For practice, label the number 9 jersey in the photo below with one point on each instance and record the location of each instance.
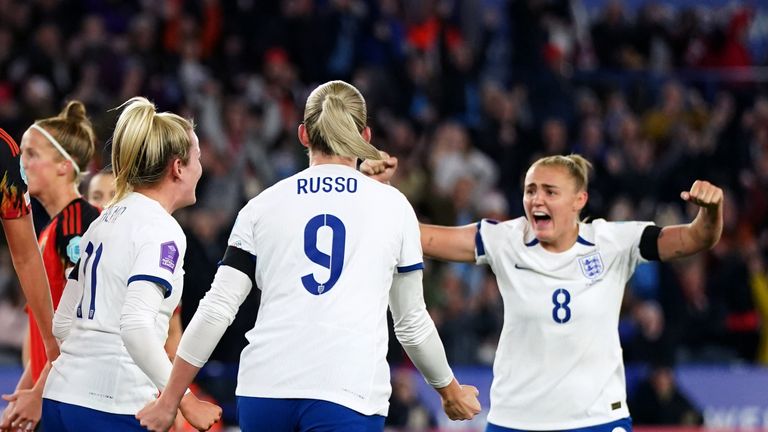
(327, 243)
(133, 240)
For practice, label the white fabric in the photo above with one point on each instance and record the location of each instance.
(65, 313)
(57, 146)
(328, 341)
(134, 239)
(143, 301)
(416, 331)
(551, 375)
(214, 314)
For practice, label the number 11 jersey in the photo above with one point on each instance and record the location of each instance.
(327, 243)
(133, 240)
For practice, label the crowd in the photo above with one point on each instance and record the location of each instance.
(466, 94)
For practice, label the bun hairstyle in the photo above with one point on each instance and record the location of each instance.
(335, 115)
(73, 131)
(143, 144)
(578, 167)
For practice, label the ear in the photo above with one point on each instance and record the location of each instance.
(64, 167)
(581, 200)
(177, 166)
(367, 134)
(303, 135)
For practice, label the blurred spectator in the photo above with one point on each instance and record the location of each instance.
(406, 411)
(658, 401)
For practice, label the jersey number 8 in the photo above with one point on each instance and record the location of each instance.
(561, 298)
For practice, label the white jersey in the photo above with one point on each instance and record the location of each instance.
(135, 239)
(559, 362)
(327, 243)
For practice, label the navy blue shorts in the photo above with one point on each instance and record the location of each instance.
(302, 415)
(621, 425)
(64, 417)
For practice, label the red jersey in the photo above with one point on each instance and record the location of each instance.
(14, 202)
(60, 246)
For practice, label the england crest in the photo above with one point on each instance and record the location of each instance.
(592, 265)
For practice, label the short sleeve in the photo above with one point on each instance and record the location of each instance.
(411, 257)
(159, 257)
(13, 185)
(74, 221)
(628, 236)
(241, 236)
(484, 241)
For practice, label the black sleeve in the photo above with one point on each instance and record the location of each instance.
(649, 243)
(240, 260)
(74, 274)
(13, 203)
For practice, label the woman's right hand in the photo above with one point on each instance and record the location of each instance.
(380, 170)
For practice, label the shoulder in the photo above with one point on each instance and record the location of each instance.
(9, 149)
(618, 233)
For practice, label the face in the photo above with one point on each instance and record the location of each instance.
(101, 189)
(44, 167)
(191, 172)
(552, 205)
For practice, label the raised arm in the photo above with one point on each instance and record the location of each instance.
(678, 241)
(449, 243)
(28, 263)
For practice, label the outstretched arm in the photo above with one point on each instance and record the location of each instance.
(449, 243)
(28, 263)
(678, 241)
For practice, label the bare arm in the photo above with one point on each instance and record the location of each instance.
(174, 335)
(449, 243)
(28, 263)
(678, 241)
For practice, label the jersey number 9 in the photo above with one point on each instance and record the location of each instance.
(333, 262)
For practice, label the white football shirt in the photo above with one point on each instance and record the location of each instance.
(327, 243)
(559, 362)
(135, 239)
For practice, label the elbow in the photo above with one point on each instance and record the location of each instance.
(60, 330)
(414, 330)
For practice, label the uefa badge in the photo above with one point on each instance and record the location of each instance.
(73, 249)
(592, 265)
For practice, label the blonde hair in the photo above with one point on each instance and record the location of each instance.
(144, 142)
(578, 167)
(335, 116)
(73, 131)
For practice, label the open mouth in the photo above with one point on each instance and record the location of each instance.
(541, 219)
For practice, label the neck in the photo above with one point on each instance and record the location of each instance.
(317, 158)
(54, 201)
(162, 194)
(564, 242)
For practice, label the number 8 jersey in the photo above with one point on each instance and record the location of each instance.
(327, 243)
(133, 240)
(559, 362)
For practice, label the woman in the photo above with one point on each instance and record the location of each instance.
(325, 257)
(19, 232)
(113, 316)
(101, 188)
(54, 153)
(559, 365)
